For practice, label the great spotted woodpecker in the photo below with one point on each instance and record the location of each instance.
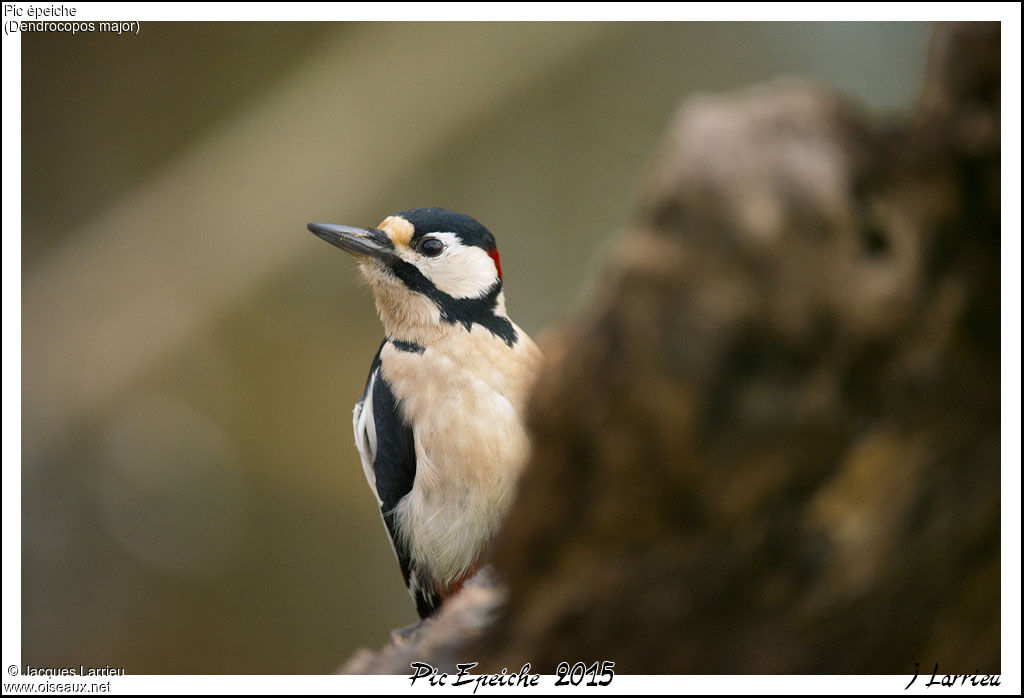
(439, 428)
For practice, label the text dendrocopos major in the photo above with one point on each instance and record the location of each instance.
(439, 428)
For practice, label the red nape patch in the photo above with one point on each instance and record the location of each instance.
(492, 252)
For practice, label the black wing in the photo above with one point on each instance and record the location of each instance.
(394, 470)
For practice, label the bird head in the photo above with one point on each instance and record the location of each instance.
(428, 267)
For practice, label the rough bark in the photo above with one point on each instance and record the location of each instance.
(773, 444)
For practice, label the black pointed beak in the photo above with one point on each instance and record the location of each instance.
(364, 242)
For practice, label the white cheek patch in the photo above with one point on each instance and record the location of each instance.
(461, 271)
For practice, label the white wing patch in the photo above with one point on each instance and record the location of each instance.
(365, 429)
(366, 434)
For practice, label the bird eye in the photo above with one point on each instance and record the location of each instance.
(431, 247)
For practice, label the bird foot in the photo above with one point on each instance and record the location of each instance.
(404, 635)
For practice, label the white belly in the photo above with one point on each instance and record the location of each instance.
(470, 447)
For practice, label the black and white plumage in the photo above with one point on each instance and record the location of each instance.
(439, 428)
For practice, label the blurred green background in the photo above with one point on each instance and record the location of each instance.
(192, 501)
